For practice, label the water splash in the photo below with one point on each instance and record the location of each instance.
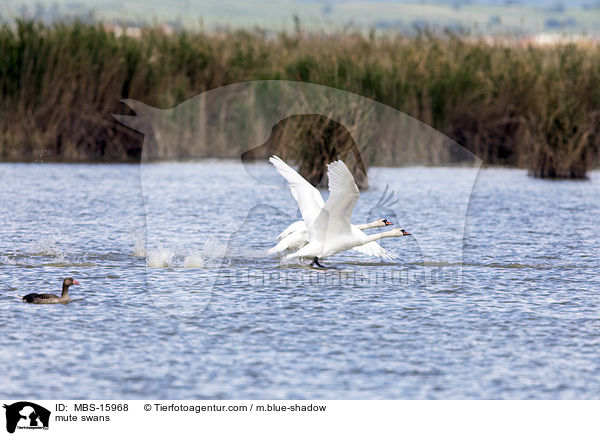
(47, 247)
(5, 260)
(193, 260)
(180, 256)
(139, 249)
(294, 261)
(60, 259)
(161, 257)
(213, 248)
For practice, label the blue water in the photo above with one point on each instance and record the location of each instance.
(496, 294)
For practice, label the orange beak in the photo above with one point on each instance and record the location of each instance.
(389, 224)
(404, 233)
(75, 282)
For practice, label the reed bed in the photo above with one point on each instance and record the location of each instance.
(535, 107)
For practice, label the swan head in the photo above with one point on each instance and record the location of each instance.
(399, 232)
(382, 223)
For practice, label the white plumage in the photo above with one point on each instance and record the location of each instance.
(326, 228)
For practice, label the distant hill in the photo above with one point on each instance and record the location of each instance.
(481, 16)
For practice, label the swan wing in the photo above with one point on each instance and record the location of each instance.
(293, 241)
(309, 199)
(336, 215)
(374, 249)
(370, 248)
(292, 228)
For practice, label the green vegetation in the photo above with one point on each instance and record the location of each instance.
(535, 107)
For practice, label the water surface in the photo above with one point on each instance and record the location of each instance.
(509, 311)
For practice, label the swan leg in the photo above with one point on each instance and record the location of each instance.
(315, 262)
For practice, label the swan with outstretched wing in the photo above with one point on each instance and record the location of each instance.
(310, 203)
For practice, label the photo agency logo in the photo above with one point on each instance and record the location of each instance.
(301, 208)
(24, 415)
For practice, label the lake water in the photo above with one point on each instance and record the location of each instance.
(496, 294)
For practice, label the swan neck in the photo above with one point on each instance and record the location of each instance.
(65, 291)
(369, 225)
(377, 236)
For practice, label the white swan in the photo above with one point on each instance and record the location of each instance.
(295, 236)
(310, 203)
(331, 232)
(311, 207)
(300, 226)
